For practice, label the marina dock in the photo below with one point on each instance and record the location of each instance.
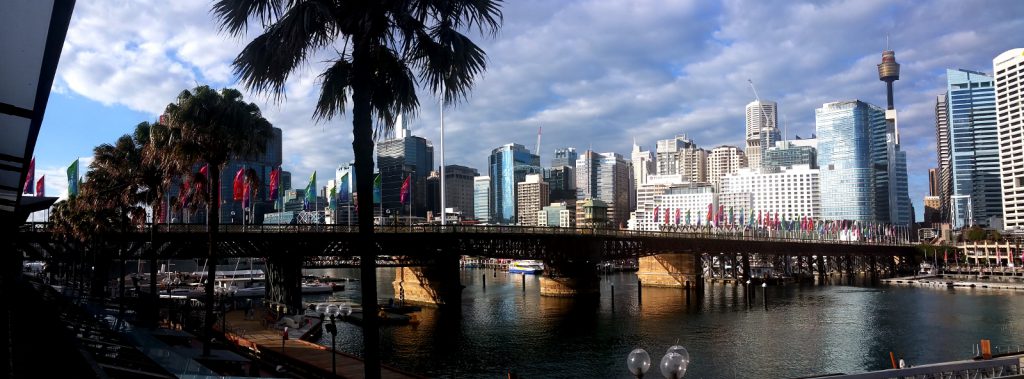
(298, 355)
(942, 282)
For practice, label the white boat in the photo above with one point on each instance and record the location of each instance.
(526, 267)
(316, 287)
(926, 269)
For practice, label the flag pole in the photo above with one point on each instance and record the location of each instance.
(410, 202)
(443, 218)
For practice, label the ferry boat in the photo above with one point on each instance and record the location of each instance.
(526, 267)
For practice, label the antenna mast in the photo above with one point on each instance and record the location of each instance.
(539, 129)
(760, 106)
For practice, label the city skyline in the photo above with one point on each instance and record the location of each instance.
(596, 90)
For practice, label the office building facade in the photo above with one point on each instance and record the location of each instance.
(973, 147)
(508, 165)
(605, 177)
(680, 155)
(845, 160)
(482, 199)
(405, 156)
(792, 193)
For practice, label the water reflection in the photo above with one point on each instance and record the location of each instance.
(805, 329)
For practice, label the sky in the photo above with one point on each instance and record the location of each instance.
(593, 74)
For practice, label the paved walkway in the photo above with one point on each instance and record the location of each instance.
(305, 356)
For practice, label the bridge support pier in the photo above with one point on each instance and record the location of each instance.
(284, 280)
(746, 266)
(437, 284)
(676, 270)
(822, 270)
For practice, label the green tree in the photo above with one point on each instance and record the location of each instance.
(375, 47)
(210, 127)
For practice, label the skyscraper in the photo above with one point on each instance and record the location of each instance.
(531, 197)
(402, 157)
(643, 165)
(680, 155)
(1009, 74)
(973, 148)
(760, 116)
(786, 154)
(945, 187)
(458, 189)
(934, 186)
(565, 156)
(482, 199)
(508, 165)
(845, 159)
(605, 177)
(722, 161)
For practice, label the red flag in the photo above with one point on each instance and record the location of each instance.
(667, 211)
(30, 178)
(245, 196)
(709, 212)
(275, 175)
(679, 213)
(239, 183)
(41, 187)
(183, 193)
(945, 256)
(759, 220)
(405, 189)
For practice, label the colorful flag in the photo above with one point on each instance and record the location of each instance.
(405, 193)
(239, 184)
(654, 217)
(73, 179)
(205, 169)
(741, 217)
(667, 212)
(333, 199)
(310, 197)
(710, 207)
(679, 213)
(687, 216)
(41, 186)
(183, 191)
(344, 188)
(945, 256)
(30, 179)
(376, 190)
(275, 176)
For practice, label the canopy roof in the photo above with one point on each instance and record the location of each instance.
(31, 37)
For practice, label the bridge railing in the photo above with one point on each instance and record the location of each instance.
(760, 235)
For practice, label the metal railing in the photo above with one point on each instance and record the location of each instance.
(1001, 367)
(759, 235)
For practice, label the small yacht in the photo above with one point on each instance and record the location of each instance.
(926, 269)
(526, 267)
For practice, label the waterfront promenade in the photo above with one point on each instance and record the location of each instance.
(307, 358)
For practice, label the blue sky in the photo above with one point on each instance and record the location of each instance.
(591, 73)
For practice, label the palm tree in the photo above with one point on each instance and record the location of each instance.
(212, 127)
(376, 45)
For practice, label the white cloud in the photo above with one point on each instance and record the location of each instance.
(592, 73)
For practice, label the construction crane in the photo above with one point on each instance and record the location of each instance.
(539, 129)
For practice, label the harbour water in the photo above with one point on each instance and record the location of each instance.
(804, 330)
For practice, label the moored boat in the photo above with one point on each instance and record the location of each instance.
(526, 267)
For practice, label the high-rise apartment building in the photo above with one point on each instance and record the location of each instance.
(605, 177)
(845, 159)
(643, 165)
(482, 199)
(680, 155)
(531, 196)
(508, 165)
(562, 182)
(405, 156)
(934, 186)
(762, 129)
(973, 148)
(1009, 76)
(557, 215)
(942, 148)
(722, 161)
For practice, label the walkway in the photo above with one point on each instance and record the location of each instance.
(301, 355)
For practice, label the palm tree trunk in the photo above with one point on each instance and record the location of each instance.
(213, 222)
(362, 147)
